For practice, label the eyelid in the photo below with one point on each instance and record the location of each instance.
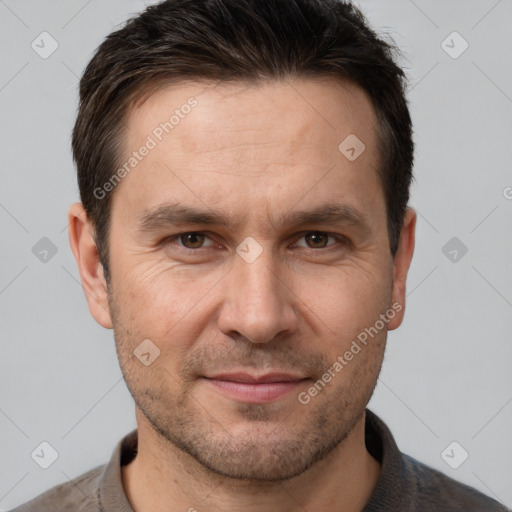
(177, 236)
(338, 238)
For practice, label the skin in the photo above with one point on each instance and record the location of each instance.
(254, 153)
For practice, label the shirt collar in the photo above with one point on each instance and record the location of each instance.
(392, 489)
(112, 495)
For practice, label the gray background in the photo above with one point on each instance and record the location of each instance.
(446, 373)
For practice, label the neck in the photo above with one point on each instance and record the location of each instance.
(163, 478)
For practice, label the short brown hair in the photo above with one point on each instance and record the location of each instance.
(237, 40)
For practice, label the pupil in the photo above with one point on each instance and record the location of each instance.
(190, 239)
(317, 237)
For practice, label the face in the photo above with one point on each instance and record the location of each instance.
(252, 256)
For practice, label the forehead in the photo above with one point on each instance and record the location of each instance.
(251, 145)
(284, 110)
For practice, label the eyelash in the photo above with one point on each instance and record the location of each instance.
(339, 238)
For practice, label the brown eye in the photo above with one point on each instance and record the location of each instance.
(317, 239)
(192, 240)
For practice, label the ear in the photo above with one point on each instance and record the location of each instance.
(89, 265)
(401, 263)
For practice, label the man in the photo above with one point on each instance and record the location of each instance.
(244, 171)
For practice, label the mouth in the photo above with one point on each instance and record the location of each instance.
(256, 389)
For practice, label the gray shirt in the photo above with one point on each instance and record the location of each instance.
(404, 483)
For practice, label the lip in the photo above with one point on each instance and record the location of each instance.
(258, 389)
(255, 379)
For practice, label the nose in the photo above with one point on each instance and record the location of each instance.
(258, 303)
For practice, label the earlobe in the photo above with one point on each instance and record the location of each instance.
(401, 263)
(89, 265)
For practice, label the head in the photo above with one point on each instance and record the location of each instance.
(244, 172)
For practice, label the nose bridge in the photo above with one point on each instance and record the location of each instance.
(258, 279)
(257, 305)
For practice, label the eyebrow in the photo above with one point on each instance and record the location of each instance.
(175, 214)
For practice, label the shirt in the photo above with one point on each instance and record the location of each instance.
(404, 484)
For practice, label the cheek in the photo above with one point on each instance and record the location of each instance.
(347, 296)
(164, 303)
